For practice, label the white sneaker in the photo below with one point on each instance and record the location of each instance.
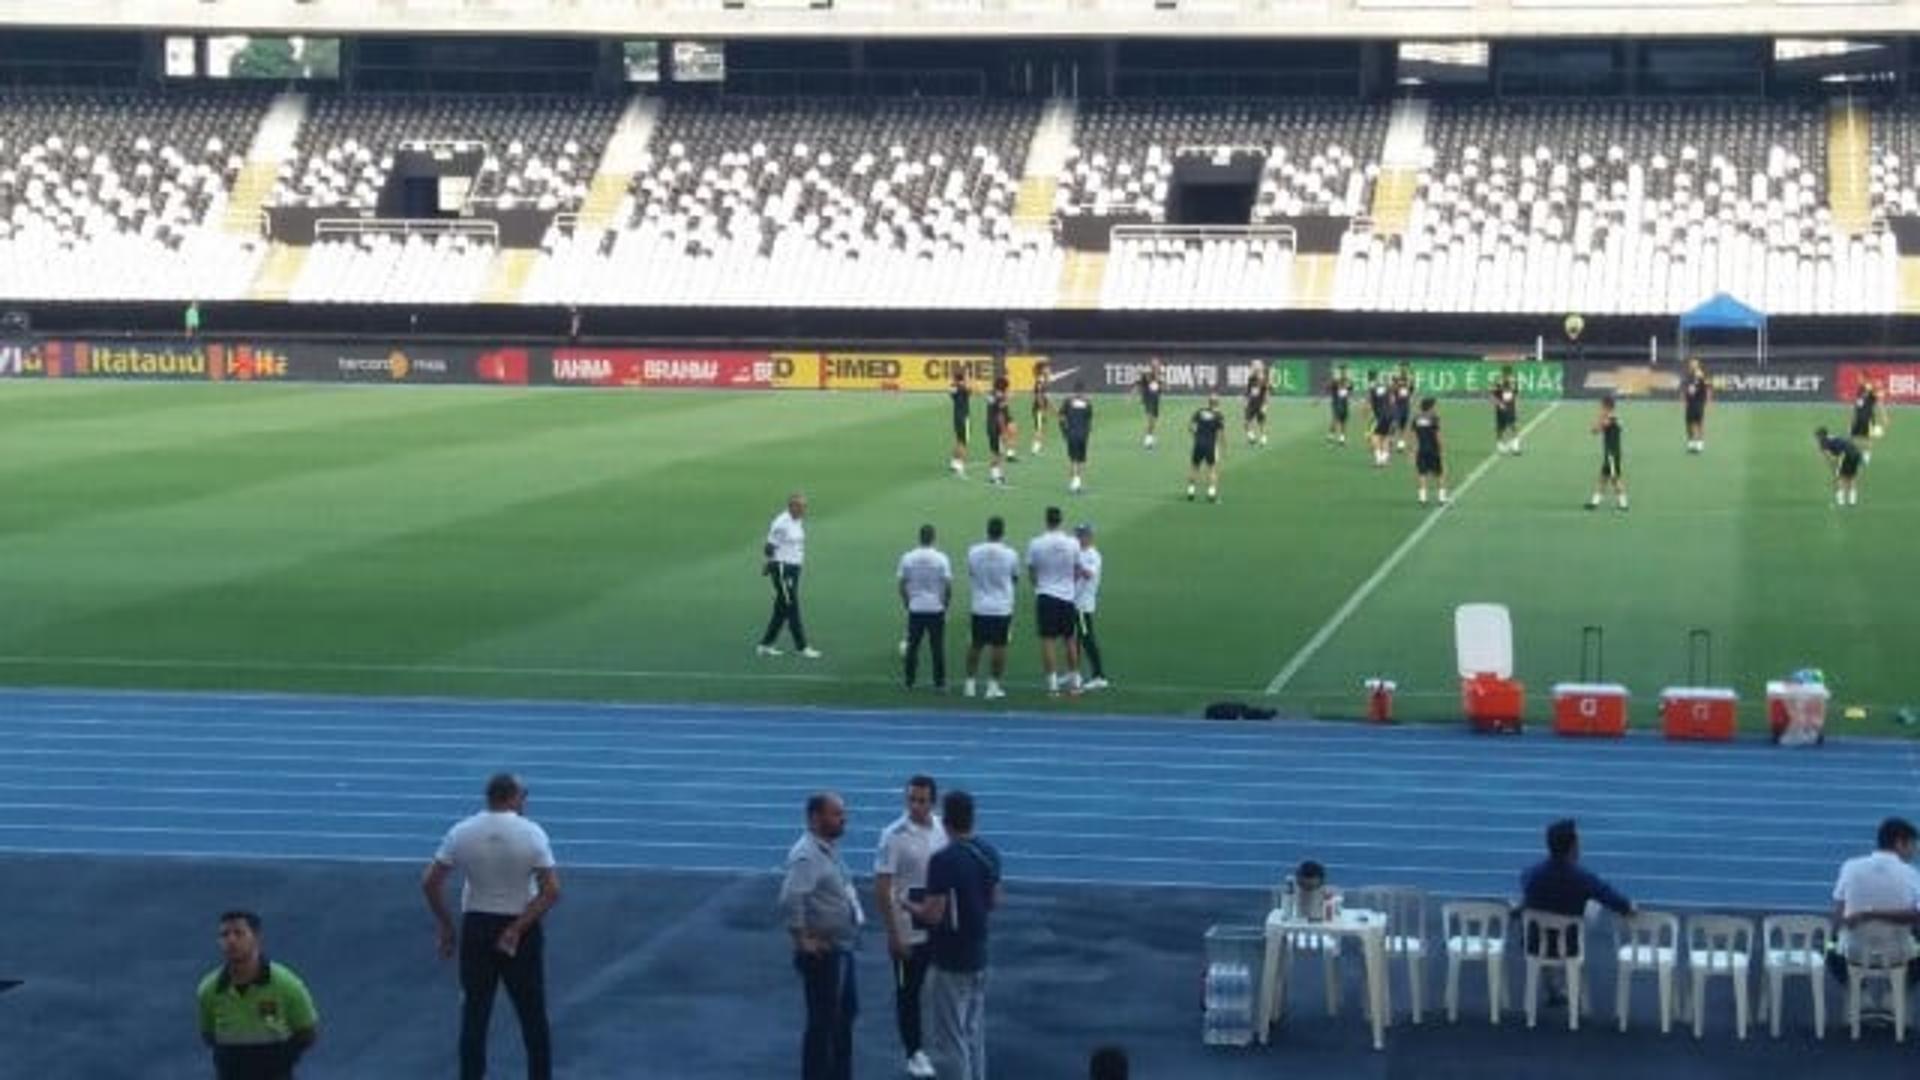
(1036, 449)
(919, 1066)
(766, 650)
(1095, 683)
(968, 689)
(994, 691)
(810, 653)
(1074, 485)
(903, 646)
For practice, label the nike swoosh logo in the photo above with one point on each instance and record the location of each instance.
(1056, 376)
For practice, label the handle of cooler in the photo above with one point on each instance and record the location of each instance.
(1593, 643)
(1699, 655)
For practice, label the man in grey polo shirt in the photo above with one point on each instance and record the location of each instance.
(823, 917)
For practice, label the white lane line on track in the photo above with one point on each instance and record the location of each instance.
(1332, 626)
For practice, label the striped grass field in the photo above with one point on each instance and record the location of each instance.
(564, 544)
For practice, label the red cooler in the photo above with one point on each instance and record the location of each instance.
(1493, 700)
(1590, 709)
(1698, 712)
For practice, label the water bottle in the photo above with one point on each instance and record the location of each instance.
(1290, 899)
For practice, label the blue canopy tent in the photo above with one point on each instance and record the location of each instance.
(1723, 312)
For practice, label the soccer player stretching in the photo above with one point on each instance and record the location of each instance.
(1076, 423)
(1042, 409)
(1380, 402)
(1846, 458)
(1698, 390)
(1867, 420)
(1426, 451)
(1506, 414)
(998, 420)
(962, 398)
(1149, 387)
(1258, 390)
(1339, 398)
(1206, 425)
(1612, 475)
(1402, 405)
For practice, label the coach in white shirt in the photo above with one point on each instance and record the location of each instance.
(1086, 598)
(1053, 559)
(899, 869)
(925, 578)
(992, 568)
(510, 883)
(785, 550)
(1881, 889)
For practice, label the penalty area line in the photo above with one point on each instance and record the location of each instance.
(1332, 626)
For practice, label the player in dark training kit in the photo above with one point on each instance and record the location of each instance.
(1612, 472)
(1867, 420)
(1259, 389)
(1042, 407)
(1340, 400)
(1506, 414)
(1380, 404)
(962, 397)
(1698, 391)
(1426, 451)
(1846, 459)
(1076, 423)
(1208, 426)
(1148, 386)
(998, 419)
(1402, 405)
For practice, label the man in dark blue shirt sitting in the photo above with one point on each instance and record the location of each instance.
(963, 887)
(1559, 885)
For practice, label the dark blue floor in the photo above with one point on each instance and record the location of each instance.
(1099, 800)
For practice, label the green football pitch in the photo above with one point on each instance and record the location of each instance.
(484, 541)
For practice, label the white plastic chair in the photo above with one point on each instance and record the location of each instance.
(1476, 932)
(1649, 941)
(1878, 951)
(1719, 945)
(1554, 941)
(1406, 910)
(1790, 946)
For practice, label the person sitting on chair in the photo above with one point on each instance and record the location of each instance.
(1559, 885)
(1881, 889)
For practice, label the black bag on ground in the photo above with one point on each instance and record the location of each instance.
(1238, 710)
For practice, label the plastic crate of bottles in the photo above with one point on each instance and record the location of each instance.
(1235, 955)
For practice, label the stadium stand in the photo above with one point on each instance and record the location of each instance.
(119, 195)
(541, 151)
(820, 202)
(1319, 153)
(1621, 206)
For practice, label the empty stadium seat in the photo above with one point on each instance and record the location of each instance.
(818, 202)
(121, 194)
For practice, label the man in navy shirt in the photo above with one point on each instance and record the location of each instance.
(1559, 885)
(963, 888)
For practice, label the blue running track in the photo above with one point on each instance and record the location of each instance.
(1098, 799)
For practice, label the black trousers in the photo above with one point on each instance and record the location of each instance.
(482, 969)
(786, 605)
(909, 976)
(933, 627)
(1090, 645)
(826, 1051)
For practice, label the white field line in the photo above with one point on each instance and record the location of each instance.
(1326, 632)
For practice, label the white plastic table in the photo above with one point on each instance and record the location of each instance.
(1367, 927)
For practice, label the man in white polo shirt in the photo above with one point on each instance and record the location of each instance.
(992, 568)
(925, 577)
(900, 870)
(1086, 598)
(510, 884)
(785, 550)
(1053, 559)
(1878, 896)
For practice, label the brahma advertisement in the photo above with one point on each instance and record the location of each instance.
(663, 368)
(1899, 383)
